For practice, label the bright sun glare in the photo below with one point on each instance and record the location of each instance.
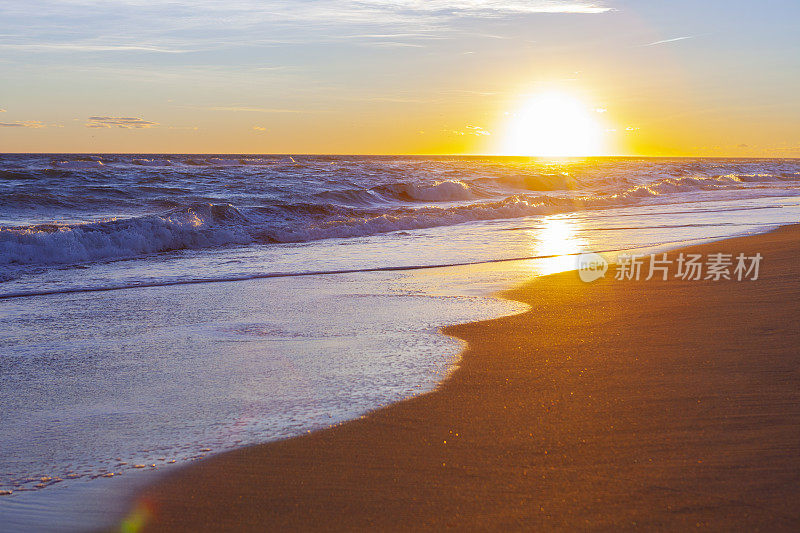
(554, 125)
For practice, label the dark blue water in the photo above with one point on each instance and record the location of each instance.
(68, 209)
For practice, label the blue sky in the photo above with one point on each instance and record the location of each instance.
(388, 76)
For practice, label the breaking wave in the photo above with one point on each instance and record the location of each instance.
(282, 200)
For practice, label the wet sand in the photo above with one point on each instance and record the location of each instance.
(616, 404)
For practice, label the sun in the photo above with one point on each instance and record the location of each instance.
(554, 124)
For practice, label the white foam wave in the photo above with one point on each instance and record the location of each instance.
(152, 162)
(212, 225)
(196, 227)
(78, 165)
(428, 217)
(442, 191)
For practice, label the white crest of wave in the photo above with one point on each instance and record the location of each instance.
(115, 239)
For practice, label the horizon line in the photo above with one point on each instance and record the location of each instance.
(405, 154)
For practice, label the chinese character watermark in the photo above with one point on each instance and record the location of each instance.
(687, 267)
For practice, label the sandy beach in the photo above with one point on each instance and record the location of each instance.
(615, 404)
(306, 266)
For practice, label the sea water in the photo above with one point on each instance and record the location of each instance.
(155, 309)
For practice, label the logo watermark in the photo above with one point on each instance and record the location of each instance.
(592, 267)
(687, 267)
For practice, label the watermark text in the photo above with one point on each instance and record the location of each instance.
(683, 266)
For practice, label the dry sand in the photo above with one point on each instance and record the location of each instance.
(616, 404)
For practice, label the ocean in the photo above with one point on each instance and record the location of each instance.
(156, 309)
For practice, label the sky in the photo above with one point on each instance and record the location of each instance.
(655, 78)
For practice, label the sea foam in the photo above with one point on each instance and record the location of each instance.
(169, 203)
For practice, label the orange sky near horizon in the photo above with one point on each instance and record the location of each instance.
(402, 77)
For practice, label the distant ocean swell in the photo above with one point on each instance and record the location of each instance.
(327, 214)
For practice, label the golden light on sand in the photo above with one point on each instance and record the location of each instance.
(554, 124)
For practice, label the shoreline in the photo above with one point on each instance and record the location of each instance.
(522, 435)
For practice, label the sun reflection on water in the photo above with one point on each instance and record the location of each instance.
(558, 236)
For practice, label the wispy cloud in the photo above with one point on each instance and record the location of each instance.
(391, 36)
(396, 99)
(245, 109)
(469, 129)
(259, 129)
(119, 122)
(181, 26)
(493, 7)
(395, 44)
(673, 40)
(276, 68)
(78, 47)
(23, 124)
(2, 110)
(477, 130)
